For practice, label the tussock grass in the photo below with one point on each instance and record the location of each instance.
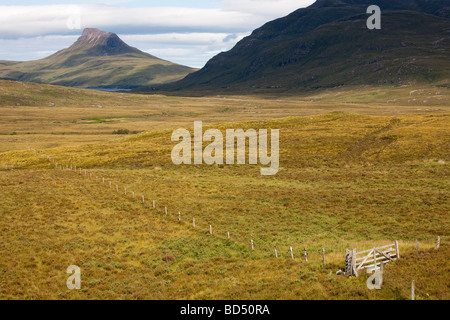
(348, 180)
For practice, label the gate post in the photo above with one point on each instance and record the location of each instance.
(354, 263)
(396, 249)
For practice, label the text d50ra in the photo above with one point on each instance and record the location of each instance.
(246, 309)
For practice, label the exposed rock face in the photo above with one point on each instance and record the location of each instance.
(93, 36)
(104, 44)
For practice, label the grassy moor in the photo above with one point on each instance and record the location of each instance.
(308, 159)
(352, 175)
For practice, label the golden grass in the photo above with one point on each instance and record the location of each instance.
(50, 116)
(348, 180)
(64, 219)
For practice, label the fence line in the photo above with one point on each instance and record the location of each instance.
(351, 266)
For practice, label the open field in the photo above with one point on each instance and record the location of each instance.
(49, 116)
(356, 171)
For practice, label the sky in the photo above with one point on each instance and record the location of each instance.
(184, 32)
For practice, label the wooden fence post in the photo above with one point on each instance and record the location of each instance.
(396, 249)
(292, 253)
(374, 259)
(125, 190)
(132, 194)
(117, 188)
(179, 216)
(143, 199)
(165, 210)
(438, 242)
(276, 253)
(210, 229)
(323, 255)
(193, 222)
(413, 291)
(154, 204)
(110, 184)
(228, 233)
(253, 248)
(353, 257)
(306, 255)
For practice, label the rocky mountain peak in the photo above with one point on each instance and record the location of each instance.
(94, 36)
(100, 43)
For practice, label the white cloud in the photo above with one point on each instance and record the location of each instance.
(192, 49)
(182, 38)
(266, 8)
(18, 21)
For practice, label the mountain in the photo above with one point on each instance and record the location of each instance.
(97, 59)
(328, 44)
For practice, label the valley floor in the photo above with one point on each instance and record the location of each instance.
(350, 177)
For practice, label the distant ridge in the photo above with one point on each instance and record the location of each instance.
(97, 60)
(328, 45)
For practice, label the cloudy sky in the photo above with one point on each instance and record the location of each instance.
(185, 32)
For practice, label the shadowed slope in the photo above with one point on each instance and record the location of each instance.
(329, 45)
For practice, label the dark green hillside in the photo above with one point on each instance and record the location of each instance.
(329, 45)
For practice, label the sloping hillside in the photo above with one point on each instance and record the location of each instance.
(329, 45)
(97, 59)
